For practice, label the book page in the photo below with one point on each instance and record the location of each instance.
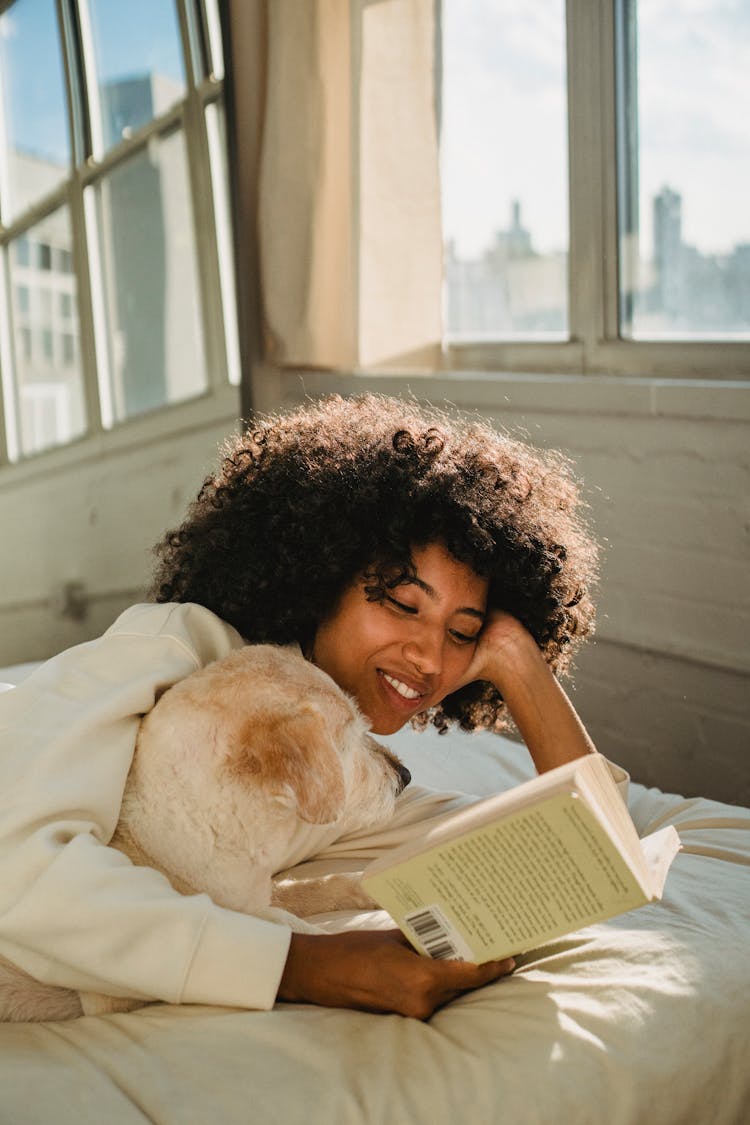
(589, 775)
(659, 849)
(604, 797)
(507, 887)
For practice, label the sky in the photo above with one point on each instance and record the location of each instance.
(505, 133)
(130, 36)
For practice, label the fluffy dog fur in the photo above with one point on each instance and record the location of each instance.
(227, 764)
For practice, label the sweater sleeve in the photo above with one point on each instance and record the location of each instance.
(73, 911)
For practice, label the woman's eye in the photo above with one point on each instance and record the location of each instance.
(463, 638)
(400, 605)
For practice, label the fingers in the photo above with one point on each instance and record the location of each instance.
(462, 972)
(378, 971)
(433, 984)
(454, 978)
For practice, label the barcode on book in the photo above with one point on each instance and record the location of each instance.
(436, 936)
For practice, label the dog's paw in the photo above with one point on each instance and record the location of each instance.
(321, 894)
(24, 999)
(96, 1004)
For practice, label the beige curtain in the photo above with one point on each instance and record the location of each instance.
(349, 190)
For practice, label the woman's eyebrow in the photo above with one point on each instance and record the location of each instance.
(429, 590)
(467, 609)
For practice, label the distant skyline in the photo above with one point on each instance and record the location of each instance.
(504, 127)
(511, 287)
(517, 210)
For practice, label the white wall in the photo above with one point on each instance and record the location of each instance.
(89, 513)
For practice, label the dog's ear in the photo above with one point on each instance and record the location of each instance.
(296, 752)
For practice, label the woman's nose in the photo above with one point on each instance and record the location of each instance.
(424, 653)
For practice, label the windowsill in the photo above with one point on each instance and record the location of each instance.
(166, 423)
(719, 400)
(619, 395)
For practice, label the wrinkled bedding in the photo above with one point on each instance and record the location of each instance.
(643, 1019)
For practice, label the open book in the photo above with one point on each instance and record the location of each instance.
(511, 872)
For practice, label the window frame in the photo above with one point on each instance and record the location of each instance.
(197, 29)
(595, 345)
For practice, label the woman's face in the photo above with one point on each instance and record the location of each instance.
(405, 654)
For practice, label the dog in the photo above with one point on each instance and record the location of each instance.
(232, 766)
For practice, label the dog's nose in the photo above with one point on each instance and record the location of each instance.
(403, 774)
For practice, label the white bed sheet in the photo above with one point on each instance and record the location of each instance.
(643, 1019)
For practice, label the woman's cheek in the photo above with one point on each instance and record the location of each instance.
(460, 664)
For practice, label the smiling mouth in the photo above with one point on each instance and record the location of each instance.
(406, 692)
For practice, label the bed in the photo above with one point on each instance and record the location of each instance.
(643, 1019)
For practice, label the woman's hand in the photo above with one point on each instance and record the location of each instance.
(510, 659)
(503, 644)
(377, 971)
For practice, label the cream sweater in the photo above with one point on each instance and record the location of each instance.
(76, 913)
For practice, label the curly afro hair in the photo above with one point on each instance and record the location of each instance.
(341, 490)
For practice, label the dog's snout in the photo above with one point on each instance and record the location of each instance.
(392, 762)
(404, 775)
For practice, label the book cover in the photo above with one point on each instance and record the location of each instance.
(524, 877)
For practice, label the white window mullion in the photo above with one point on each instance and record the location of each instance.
(206, 210)
(9, 434)
(587, 76)
(89, 79)
(100, 385)
(224, 244)
(76, 41)
(621, 168)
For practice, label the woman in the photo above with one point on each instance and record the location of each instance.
(438, 571)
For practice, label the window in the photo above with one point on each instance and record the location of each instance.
(116, 254)
(35, 371)
(150, 280)
(595, 164)
(45, 256)
(683, 220)
(505, 169)
(23, 301)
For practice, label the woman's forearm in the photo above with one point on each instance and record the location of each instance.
(545, 717)
(542, 712)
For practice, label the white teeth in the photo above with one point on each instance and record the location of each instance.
(402, 689)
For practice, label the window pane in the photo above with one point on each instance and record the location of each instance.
(684, 170)
(35, 154)
(140, 71)
(47, 360)
(504, 168)
(145, 234)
